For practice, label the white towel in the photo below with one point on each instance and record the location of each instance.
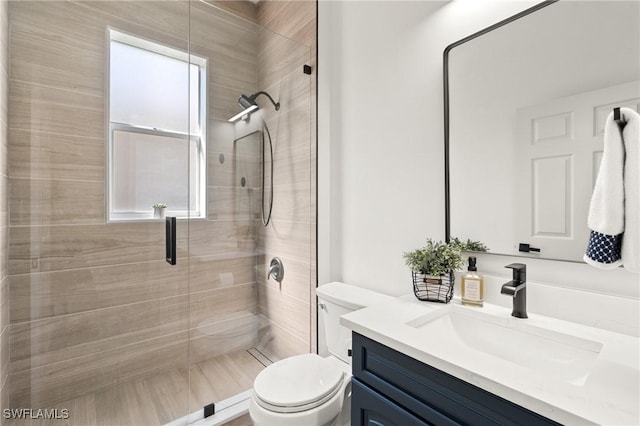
(614, 213)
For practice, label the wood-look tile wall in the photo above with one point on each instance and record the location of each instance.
(4, 197)
(287, 42)
(93, 303)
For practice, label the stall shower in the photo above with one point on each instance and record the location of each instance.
(109, 108)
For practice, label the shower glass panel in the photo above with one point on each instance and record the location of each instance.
(100, 103)
(115, 106)
(241, 322)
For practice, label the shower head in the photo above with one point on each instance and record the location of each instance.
(246, 102)
(249, 104)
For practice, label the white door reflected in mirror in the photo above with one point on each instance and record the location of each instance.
(527, 110)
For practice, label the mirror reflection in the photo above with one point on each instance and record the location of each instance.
(527, 105)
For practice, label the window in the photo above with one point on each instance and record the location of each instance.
(156, 129)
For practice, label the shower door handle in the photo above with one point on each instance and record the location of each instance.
(170, 224)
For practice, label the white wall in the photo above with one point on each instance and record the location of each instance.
(381, 184)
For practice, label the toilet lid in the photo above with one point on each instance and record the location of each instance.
(297, 383)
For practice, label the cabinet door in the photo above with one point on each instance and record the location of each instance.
(369, 408)
(429, 394)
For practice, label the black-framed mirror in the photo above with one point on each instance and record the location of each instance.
(525, 104)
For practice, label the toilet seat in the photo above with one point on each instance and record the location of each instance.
(298, 383)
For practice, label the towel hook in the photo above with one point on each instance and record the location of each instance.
(617, 116)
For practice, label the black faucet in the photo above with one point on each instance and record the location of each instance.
(517, 288)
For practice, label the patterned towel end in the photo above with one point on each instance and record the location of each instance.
(604, 250)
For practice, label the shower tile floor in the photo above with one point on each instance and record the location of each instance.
(161, 399)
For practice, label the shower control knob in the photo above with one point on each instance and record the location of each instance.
(276, 270)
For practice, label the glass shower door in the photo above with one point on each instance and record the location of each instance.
(100, 99)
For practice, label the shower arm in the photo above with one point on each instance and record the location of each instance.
(275, 104)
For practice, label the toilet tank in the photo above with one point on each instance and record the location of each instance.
(336, 299)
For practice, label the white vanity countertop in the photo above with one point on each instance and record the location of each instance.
(609, 395)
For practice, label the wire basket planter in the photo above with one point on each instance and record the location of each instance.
(433, 288)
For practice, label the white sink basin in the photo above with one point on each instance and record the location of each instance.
(513, 341)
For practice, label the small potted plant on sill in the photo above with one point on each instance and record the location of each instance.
(432, 267)
(158, 210)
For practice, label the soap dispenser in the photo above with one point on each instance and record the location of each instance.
(472, 285)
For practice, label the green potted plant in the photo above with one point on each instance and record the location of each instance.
(432, 267)
(158, 210)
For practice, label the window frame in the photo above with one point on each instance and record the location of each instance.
(199, 138)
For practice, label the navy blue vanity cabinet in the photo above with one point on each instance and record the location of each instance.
(390, 388)
(373, 409)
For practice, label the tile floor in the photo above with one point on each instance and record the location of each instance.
(162, 398)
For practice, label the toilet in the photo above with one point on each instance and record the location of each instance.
(310, 389)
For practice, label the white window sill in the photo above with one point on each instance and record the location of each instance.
(149, 218)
